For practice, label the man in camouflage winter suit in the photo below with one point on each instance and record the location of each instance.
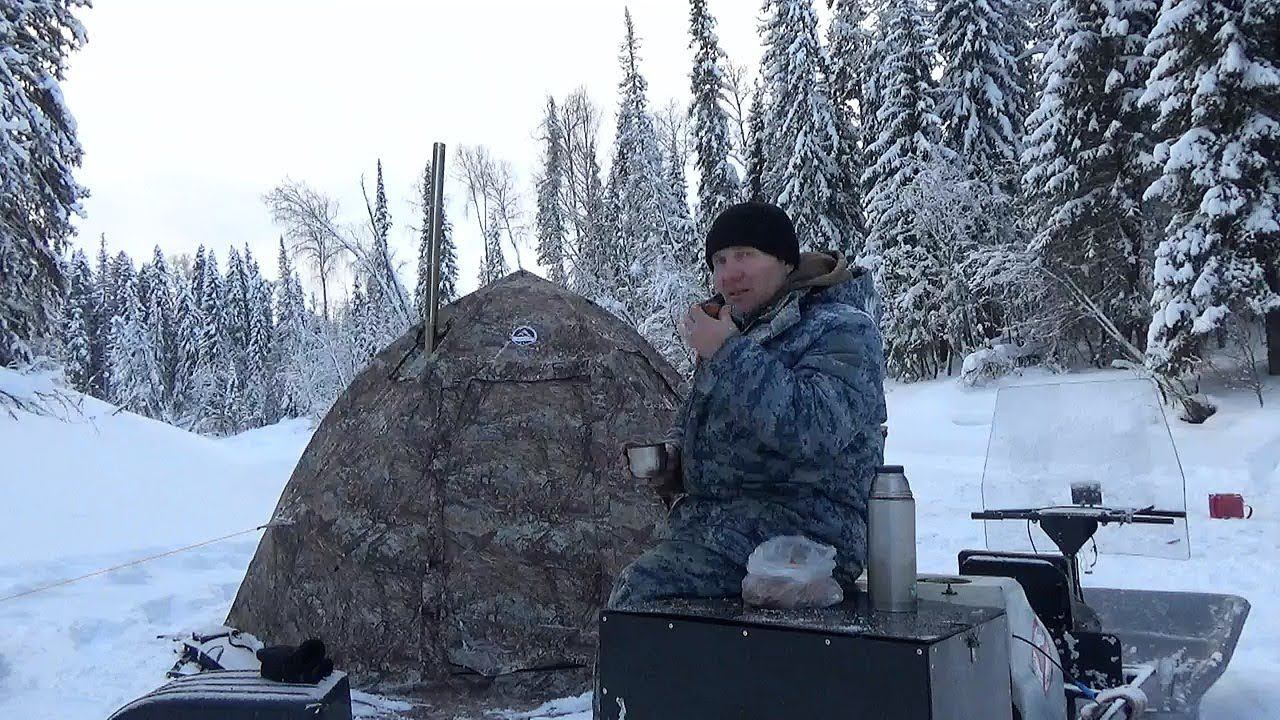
(780, 432)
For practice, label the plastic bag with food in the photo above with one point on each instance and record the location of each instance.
(791, 572)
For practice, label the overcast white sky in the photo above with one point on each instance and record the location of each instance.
(189, 111)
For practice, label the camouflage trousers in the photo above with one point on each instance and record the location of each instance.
(676, 569)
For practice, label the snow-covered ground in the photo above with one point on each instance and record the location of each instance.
(90, 488)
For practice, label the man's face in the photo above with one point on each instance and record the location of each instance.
(747, 277)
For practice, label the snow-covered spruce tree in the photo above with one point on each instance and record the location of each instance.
(1087, 162)
(286, 332)
(646, 216)
(307, 379)
(195, 274)
(188, 327)
(99, 324)
(188, 322)
(135, 371)
(650, 238)
(380, 227)
(717, 180)
(872, 97)
(592, 275)
(306, 373)
(77, 328)
(223, 413)
(674, 281)
(802, 139)
(619, 245)
(448, 255)
(753, 188)
(848, 46)
(981, 84)
(688, 254)
(156, 330)
(214, 363)
(1036, 21)
(261, 401)
(673, 286)
(583, 193)
(390, 309)
(448, 259)
(1030, 28)
(493, 266)
(951, 228)
(982, 99)
(422, 288)
(235, 322)
(38, 153)
(907, 143)
(235, 306)
(1216, 88)
(156, 294)
(360, 329)
(551, 226)
(122, 275)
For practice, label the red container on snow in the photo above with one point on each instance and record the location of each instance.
(1228, 505)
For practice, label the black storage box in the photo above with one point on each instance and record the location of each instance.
(713, 659)
(242, 695)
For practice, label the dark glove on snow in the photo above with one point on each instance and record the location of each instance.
(305, 663)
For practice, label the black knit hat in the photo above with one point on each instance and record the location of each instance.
(760, 225)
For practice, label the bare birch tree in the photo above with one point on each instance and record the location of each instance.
(492, 197)
(737, 104)
(308, 220)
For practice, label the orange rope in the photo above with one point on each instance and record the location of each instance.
(60, 583)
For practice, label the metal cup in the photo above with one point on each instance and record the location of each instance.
(647, 461)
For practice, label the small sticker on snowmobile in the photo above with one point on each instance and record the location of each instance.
(1040, 660)
(524, 335)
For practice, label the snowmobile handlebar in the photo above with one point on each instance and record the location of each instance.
(1102, 515)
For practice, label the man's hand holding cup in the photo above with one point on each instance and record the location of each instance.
(659, 464)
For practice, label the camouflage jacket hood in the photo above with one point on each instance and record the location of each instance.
(780, 431)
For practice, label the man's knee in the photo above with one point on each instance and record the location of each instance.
(652, 576)
(628, 589)
(676, 569)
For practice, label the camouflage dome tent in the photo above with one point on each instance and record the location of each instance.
(466, 511)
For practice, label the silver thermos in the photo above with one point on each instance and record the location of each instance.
(891, 542)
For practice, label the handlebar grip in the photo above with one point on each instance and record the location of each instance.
(1149, 520)
(1006, 514)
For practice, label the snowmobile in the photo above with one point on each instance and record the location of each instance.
(1013, 635)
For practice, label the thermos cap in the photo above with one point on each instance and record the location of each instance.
(890, 483)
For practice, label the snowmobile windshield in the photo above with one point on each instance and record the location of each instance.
(1091, 444)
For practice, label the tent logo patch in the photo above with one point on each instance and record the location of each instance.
(524, 336)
